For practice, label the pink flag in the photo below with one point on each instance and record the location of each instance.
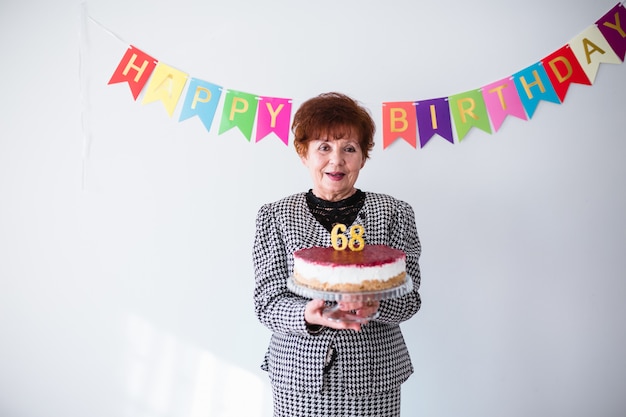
(274, 115)
(501, 99)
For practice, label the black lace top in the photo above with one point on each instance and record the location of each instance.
(328, 213)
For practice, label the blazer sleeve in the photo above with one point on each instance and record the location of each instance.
(275, 306)
(403, 235)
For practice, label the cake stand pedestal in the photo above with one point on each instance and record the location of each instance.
(333, 311)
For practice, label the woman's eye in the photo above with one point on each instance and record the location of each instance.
(350, 149)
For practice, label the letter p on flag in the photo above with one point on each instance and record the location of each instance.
(135, 68)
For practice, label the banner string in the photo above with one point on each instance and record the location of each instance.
(107, 30)
(84, 92)
(126, 43)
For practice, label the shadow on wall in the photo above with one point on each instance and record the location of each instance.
(167, 377)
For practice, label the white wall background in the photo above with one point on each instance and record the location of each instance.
(128, 291)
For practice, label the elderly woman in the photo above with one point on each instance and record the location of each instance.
(318, 366)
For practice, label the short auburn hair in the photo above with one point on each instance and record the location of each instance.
(335, 116)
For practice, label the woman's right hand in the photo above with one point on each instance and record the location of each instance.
(314, 314)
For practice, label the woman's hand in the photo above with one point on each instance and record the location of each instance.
(360, 308)
(314, 314)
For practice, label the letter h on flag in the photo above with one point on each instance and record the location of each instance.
(135, 69)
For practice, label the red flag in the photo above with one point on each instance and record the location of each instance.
(399, 121)
(564, 69)
(135, 69)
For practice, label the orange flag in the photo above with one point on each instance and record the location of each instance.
(399, 121)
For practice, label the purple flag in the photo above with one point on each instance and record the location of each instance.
(433, 117)
(613, 27)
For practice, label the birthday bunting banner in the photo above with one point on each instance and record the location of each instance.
(485, 108)
(519, 95)
(161, 82)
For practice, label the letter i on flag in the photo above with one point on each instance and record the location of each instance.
(135, 69)
(433, 117)
(274, 116)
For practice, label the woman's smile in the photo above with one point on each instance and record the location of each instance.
(336, 176)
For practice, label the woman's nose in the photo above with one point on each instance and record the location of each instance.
(336, 156)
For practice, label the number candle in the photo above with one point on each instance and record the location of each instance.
(340, 241)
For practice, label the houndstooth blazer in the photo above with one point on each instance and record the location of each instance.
(373, 360)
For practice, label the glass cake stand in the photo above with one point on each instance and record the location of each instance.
(333, 312)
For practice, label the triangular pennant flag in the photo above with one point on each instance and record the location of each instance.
(468, 110)
(533, 85)
(201, 100)
(399, 121)
(274, 115)
(563, 69)
(239, 111)
(613, 26)
(135, 69)
(502, 100)
(166, 85)
(592, 49)
(433, 117)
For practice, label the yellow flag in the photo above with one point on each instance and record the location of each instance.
(166, 84)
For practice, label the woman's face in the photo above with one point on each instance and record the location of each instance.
(334, 166)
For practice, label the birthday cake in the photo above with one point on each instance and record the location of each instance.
(374, 268)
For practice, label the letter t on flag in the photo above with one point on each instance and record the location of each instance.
(399, 121)
(135, 69)
(501, 99)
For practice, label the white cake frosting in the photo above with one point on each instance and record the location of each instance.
(349, 274)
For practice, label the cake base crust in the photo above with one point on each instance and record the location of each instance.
(364, 286)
